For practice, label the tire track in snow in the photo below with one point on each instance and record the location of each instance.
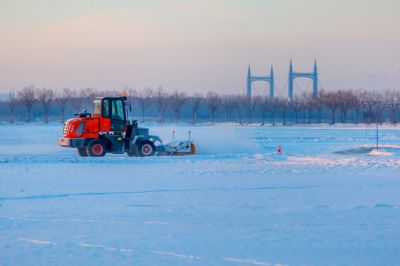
(253, 262)
(36, 241)
(111, 159)
(89, 194)
(173, 254)
(87, 245)
(155, 252)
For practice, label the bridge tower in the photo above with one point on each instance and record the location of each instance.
(270, 79)
(311, 75)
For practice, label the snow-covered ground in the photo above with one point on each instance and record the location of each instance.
(328, 199)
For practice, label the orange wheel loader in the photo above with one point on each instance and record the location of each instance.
(108, 130)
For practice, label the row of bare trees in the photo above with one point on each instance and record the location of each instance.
(330, 106)
(30, 96)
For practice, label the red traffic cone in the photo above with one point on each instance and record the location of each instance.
(279, 150)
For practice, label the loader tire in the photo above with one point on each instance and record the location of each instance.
(96, 148)
(146, 148)
(82, 152)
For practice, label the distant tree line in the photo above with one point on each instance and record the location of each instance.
(344, 106)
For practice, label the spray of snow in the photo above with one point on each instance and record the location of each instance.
(212, 140)
(225, 141)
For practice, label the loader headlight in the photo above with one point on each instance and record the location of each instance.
(65, 128)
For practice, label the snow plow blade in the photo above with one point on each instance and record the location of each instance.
(176, 148)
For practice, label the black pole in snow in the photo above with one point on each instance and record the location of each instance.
(377, 136)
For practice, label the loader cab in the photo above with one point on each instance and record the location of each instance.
(112, 113)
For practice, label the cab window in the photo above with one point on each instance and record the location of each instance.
(117, 110)
(97, 107)
(106, 108)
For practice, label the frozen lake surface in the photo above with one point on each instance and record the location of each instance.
(328, 199)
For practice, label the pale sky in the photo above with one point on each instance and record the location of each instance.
(197, 46)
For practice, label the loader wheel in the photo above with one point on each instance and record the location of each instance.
(96, 148)
(146, 148)
(82, 152)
